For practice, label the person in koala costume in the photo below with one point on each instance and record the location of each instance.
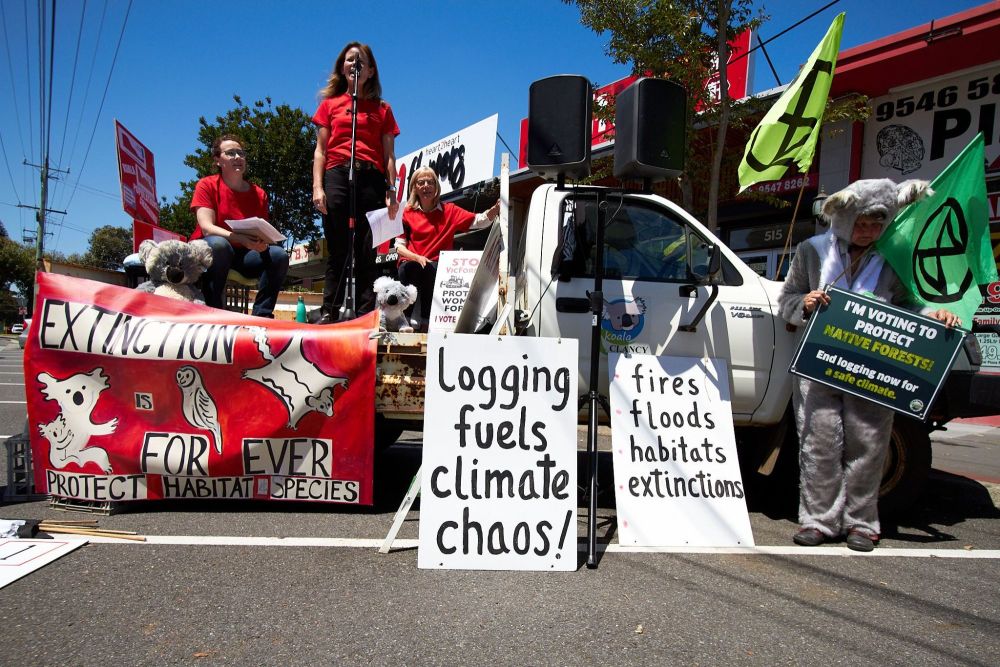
(844, 439)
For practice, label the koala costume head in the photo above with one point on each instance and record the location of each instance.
(879, 198)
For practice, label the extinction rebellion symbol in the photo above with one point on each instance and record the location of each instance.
(945, 236)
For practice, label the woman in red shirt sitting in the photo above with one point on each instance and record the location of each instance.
(228, 196)
(428, 228)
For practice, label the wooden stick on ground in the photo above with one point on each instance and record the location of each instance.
(93, 532)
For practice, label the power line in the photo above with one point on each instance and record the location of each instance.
(52, 65)
(27, 70)
(6, 163)
(72, 80)
(100, 109)
(90, 76)
(760, 44)
(10, 70)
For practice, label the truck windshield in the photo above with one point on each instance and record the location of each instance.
(641, 242)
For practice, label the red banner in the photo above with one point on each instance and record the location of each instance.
(137, 175)
(133, 397)
(142, 231)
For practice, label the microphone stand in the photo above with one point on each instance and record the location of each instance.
(347, 310)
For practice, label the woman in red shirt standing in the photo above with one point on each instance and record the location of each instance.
(375, 160)
(428, 228)
(228, 196)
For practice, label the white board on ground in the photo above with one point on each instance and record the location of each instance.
(498, 487)
(22, 557)
(677, 477)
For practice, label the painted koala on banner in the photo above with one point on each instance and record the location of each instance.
(294, 379)
(69, 433)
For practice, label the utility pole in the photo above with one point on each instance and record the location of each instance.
(40, 214)
(41, 210)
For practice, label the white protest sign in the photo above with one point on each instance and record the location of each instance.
(452, 282)
(677, 478)
(463, 158)
(19, 558)
(498, 481)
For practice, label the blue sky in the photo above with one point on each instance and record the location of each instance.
(444, 65)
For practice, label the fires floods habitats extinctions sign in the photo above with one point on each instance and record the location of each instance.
(498, 480)
(677, 478)
(873, 350)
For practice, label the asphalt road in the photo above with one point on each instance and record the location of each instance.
(258, 583)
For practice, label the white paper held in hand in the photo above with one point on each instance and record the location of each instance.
(383, 227)
(258, 226)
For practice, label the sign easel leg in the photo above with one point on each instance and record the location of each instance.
(404, 509)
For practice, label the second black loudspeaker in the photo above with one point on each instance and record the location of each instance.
(650, 122)
(559, 126)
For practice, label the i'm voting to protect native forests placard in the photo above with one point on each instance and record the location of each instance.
(877, 351)
(498, 479)
(677, 478)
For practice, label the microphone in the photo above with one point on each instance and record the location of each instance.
(357, 66)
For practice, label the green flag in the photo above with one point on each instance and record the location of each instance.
(940, 245)
(788, 132)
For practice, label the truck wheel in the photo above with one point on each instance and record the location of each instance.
(387, 432)
(907, 466)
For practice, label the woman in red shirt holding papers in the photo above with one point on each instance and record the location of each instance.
(228, 196)
(428, 228)
(375, 160)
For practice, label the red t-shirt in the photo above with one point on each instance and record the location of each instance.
(228, 204)
(375, 119)
(428, 234)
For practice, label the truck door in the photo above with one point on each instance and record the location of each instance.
(651, 254)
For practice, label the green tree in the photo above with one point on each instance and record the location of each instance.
(685, 41)
(279, 141)
(109, 245)
(17, 266)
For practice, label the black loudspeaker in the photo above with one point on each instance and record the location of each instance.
(559, 126)
(650, 124)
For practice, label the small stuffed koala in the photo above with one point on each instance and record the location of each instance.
(393, 298)
(174, 267)
(878, 197)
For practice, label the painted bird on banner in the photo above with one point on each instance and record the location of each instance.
(198, 406)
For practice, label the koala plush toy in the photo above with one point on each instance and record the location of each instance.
(393, 298)
(174, 267)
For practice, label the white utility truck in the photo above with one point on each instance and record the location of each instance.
(670, 287)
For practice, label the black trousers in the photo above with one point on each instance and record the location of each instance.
(411, 273)
(371, 186)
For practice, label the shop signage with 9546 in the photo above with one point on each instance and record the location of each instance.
(876, 351)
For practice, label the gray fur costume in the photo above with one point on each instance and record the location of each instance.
(843, 439)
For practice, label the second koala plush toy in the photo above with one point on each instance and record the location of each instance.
(393, 298)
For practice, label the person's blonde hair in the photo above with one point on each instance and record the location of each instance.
(336, 84)
(413, 199)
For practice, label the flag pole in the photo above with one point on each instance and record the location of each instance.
(791, 228)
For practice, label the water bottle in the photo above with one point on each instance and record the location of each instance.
(300, 310)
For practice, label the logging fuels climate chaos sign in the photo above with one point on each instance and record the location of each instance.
(874, 350)
(498, 478)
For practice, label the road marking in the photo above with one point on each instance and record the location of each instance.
(989, 554)
(363, 543)
(14, 402)
(11, 384)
